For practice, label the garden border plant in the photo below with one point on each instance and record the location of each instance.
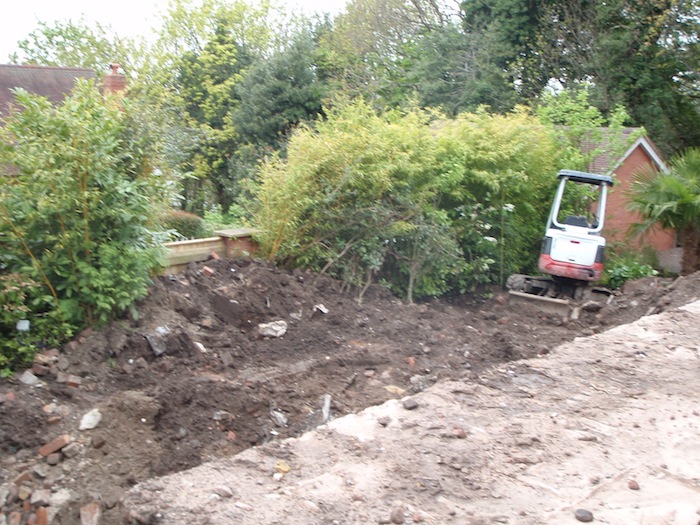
(76, 208)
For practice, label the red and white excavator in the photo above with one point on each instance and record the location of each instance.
(573, 246)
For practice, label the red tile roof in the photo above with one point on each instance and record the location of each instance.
(53, 83)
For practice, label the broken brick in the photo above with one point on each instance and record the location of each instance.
(42, 516)
(55, 445)
(74, 381)
(24, 476)
(40, 370)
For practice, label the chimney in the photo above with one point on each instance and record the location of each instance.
(114, 81)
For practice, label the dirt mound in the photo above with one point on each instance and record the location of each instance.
(196, 377)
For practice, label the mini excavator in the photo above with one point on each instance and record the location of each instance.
(573, 247)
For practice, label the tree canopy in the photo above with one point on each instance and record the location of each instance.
(400, 141)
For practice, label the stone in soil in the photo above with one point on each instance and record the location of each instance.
(583, 515)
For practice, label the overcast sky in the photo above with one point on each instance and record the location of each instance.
(126, 17)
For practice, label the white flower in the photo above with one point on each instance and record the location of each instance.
(490, 239)
(509, 207)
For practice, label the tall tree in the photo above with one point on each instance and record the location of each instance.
(197, 61)
(206, 84)
(504, 35)
(75, 44)
(279, 93)
(643, 55)
(453, 70)
(372, 41)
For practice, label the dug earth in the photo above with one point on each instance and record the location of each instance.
(466, 399)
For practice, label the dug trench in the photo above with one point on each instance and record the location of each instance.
(195, 378)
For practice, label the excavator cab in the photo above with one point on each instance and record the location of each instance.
(573, 247)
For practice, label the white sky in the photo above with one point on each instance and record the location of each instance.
(126, 17)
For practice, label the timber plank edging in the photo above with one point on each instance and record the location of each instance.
(234, 242)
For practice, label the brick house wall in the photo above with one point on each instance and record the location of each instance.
(618, 217)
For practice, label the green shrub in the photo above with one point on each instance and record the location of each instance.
(216, 219)
(76, 211)
(187, 225)
(23, 299)
(424, 203)
(620, 269)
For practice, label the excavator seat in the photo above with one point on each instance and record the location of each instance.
(577, 220)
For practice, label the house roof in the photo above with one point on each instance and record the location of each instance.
(647, 145)
(53, 83)
(607, 162)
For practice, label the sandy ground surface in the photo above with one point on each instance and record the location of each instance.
(607, 425)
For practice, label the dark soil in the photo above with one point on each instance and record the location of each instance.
(194, 379)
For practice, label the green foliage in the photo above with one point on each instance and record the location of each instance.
(423, 203)
(201, 53)
(451, 70)
(75, 44)
(278, 94)
(187, 225)
(585, 133)
(216, 219)
(643, 55)
(672, 200)
(21, 298)
(620, 269)
(75, 208)
(333, 203)
(495, 171)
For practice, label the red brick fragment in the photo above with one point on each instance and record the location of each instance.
(42, 516)
(24, 476)
(55, 445)
(15, 518)
(74, 381)
(40, 370)
(207, 271)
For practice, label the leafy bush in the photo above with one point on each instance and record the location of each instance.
(424, 203)
(187, 225)
(619, 270)
(216, 219)
(22, 299)
(75, 210)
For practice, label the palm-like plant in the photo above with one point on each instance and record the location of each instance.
(672, 200)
